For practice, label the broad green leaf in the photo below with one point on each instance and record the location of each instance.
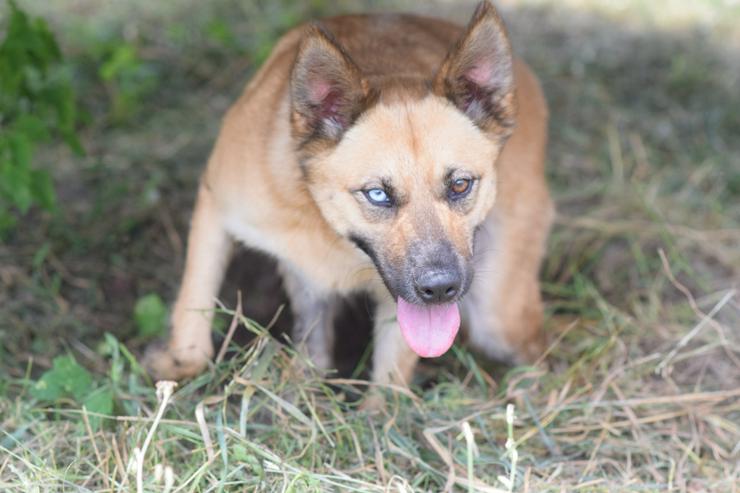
(65, 379)
(99, 401)
(7, 221)
(42, 189)
(122, 59)
(41, 254)
(21, 150)
(16, 185)
(32, 126)
(47, 388)
(37, 102)
(150, 314)
(110, 348)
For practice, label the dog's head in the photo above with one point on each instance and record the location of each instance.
(407, 179)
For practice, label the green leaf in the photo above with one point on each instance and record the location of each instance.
(73, 142)
(7, 222)
(110, 348)
(21, 150)
(99, 402)
(37, 102)
(47, 388)
(220, 32)
(15, 185)
(42, 189)
(32, 127)
(41, 254)
(65, 379)
(122, 59)
(150, 314)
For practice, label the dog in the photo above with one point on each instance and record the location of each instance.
(394, 154)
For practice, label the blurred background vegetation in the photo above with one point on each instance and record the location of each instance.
(108, 111)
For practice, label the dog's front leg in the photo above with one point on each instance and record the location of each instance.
(209, 249)
(313, 311)
(393, 359)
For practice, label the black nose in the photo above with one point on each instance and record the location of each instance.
(438, 286)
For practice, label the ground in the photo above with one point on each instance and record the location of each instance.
(638, 391)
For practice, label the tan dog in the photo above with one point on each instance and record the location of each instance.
(395, 154)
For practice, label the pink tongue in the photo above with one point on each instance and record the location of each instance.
(428, 330)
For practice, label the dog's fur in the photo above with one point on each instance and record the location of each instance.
(397, 102)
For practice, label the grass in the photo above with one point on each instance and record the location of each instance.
(639, 390)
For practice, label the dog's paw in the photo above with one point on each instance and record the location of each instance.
(164, 363)
(373, 403)
(531, 351)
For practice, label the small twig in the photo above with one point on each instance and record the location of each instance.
(200, 418)
(551, 446)
(472, 452)
(203, 426)
(592, 458)
(378, 453)
(511, 449)
(615, 156)
(166, 474)
(88, 428)
(675, 399)
(401, 389)
(705, 318)
(232, 329)
(119, 461)
(274, 318)
(171, 231)
(556, 342)
(662, 367)
(164, 392)
(446, 457)
(169, 479)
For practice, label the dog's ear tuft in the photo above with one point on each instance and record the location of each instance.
(477, 74)
(327, 89)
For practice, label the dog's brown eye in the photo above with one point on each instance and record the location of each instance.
(460, 187)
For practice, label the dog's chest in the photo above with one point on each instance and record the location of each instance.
(330, 262)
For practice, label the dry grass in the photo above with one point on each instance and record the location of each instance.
(639, 390)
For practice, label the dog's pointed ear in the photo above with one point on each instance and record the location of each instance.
(327, 89)
(477, 74)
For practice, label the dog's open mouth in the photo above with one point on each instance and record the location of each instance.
(429, 330)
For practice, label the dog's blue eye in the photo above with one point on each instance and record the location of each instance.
(378, 196)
